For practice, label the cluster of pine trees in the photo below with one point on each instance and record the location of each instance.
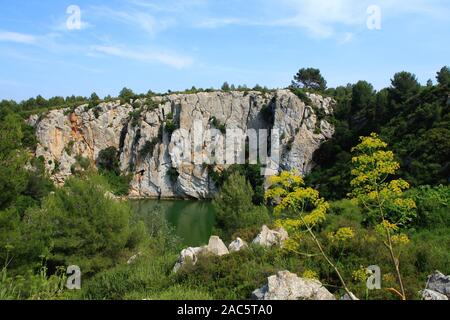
(413, 119)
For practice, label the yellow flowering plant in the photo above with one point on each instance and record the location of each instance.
(299, 209)
(382, 198)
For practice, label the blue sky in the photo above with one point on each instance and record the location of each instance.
(161, 45)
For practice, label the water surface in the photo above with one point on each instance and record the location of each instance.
(193, 220)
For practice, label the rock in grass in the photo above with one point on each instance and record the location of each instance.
(190, 255)
(270, 238)
(288, 286)
(237, 245)
(440, 283)
(428, 294)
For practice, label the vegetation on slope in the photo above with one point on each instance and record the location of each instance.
(363, 199)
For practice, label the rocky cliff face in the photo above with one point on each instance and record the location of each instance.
(65, 136)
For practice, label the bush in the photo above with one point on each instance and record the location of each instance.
(301, 94)
(170, 127)
(79, 225)
(108, 160)
(234, 206)
(219, 126)
(149, 147)
(119, 185)
(433, 205)
(126, 95)
(237, 275)
(149, 278)
(32, 286)
(135, 116)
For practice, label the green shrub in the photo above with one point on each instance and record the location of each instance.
(149, 147)
(170, 127)
(135, 117)
(433, 206)
(234, 276)
(119, 185)
(219, 126)
(32, 286)
(301, 94)
(148, 275)
(108, 160)
(234, 206)
(79, 225)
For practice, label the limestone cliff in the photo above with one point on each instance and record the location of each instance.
(66, 135)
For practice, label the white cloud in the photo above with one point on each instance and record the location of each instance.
(169, 59)
(220, 22)
(8, 36)
(326, 18)
(140, 19)
(172, 6)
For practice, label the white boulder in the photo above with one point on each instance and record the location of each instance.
(237, 245)
(428, 295)
(269, 238)
(288, 286)
(215, 247)
(440, 283)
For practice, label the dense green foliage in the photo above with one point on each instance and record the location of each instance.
(235, 276)
(234, 206)
(43, 229)
(413, 119)
(108, 165)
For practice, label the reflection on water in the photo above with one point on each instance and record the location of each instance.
(193, 220)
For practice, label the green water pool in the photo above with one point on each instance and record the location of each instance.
(193, 220)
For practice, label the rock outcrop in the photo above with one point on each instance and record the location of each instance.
(142, 133)
(288, 286)
(190, 255)
(439, 283)
(432, 295)
(217, 247)
(270, 238)
(237, 245)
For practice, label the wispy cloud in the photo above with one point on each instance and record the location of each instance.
(8, 36)
(323, 18)
(167, 58)
(172, 6)
(133, 17)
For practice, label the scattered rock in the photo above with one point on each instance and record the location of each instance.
(217, 247)
(288, 286)
(188, 255)
(269, 238)
(428, 294)
(237, 245)
(440, 283)
(134, 258)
